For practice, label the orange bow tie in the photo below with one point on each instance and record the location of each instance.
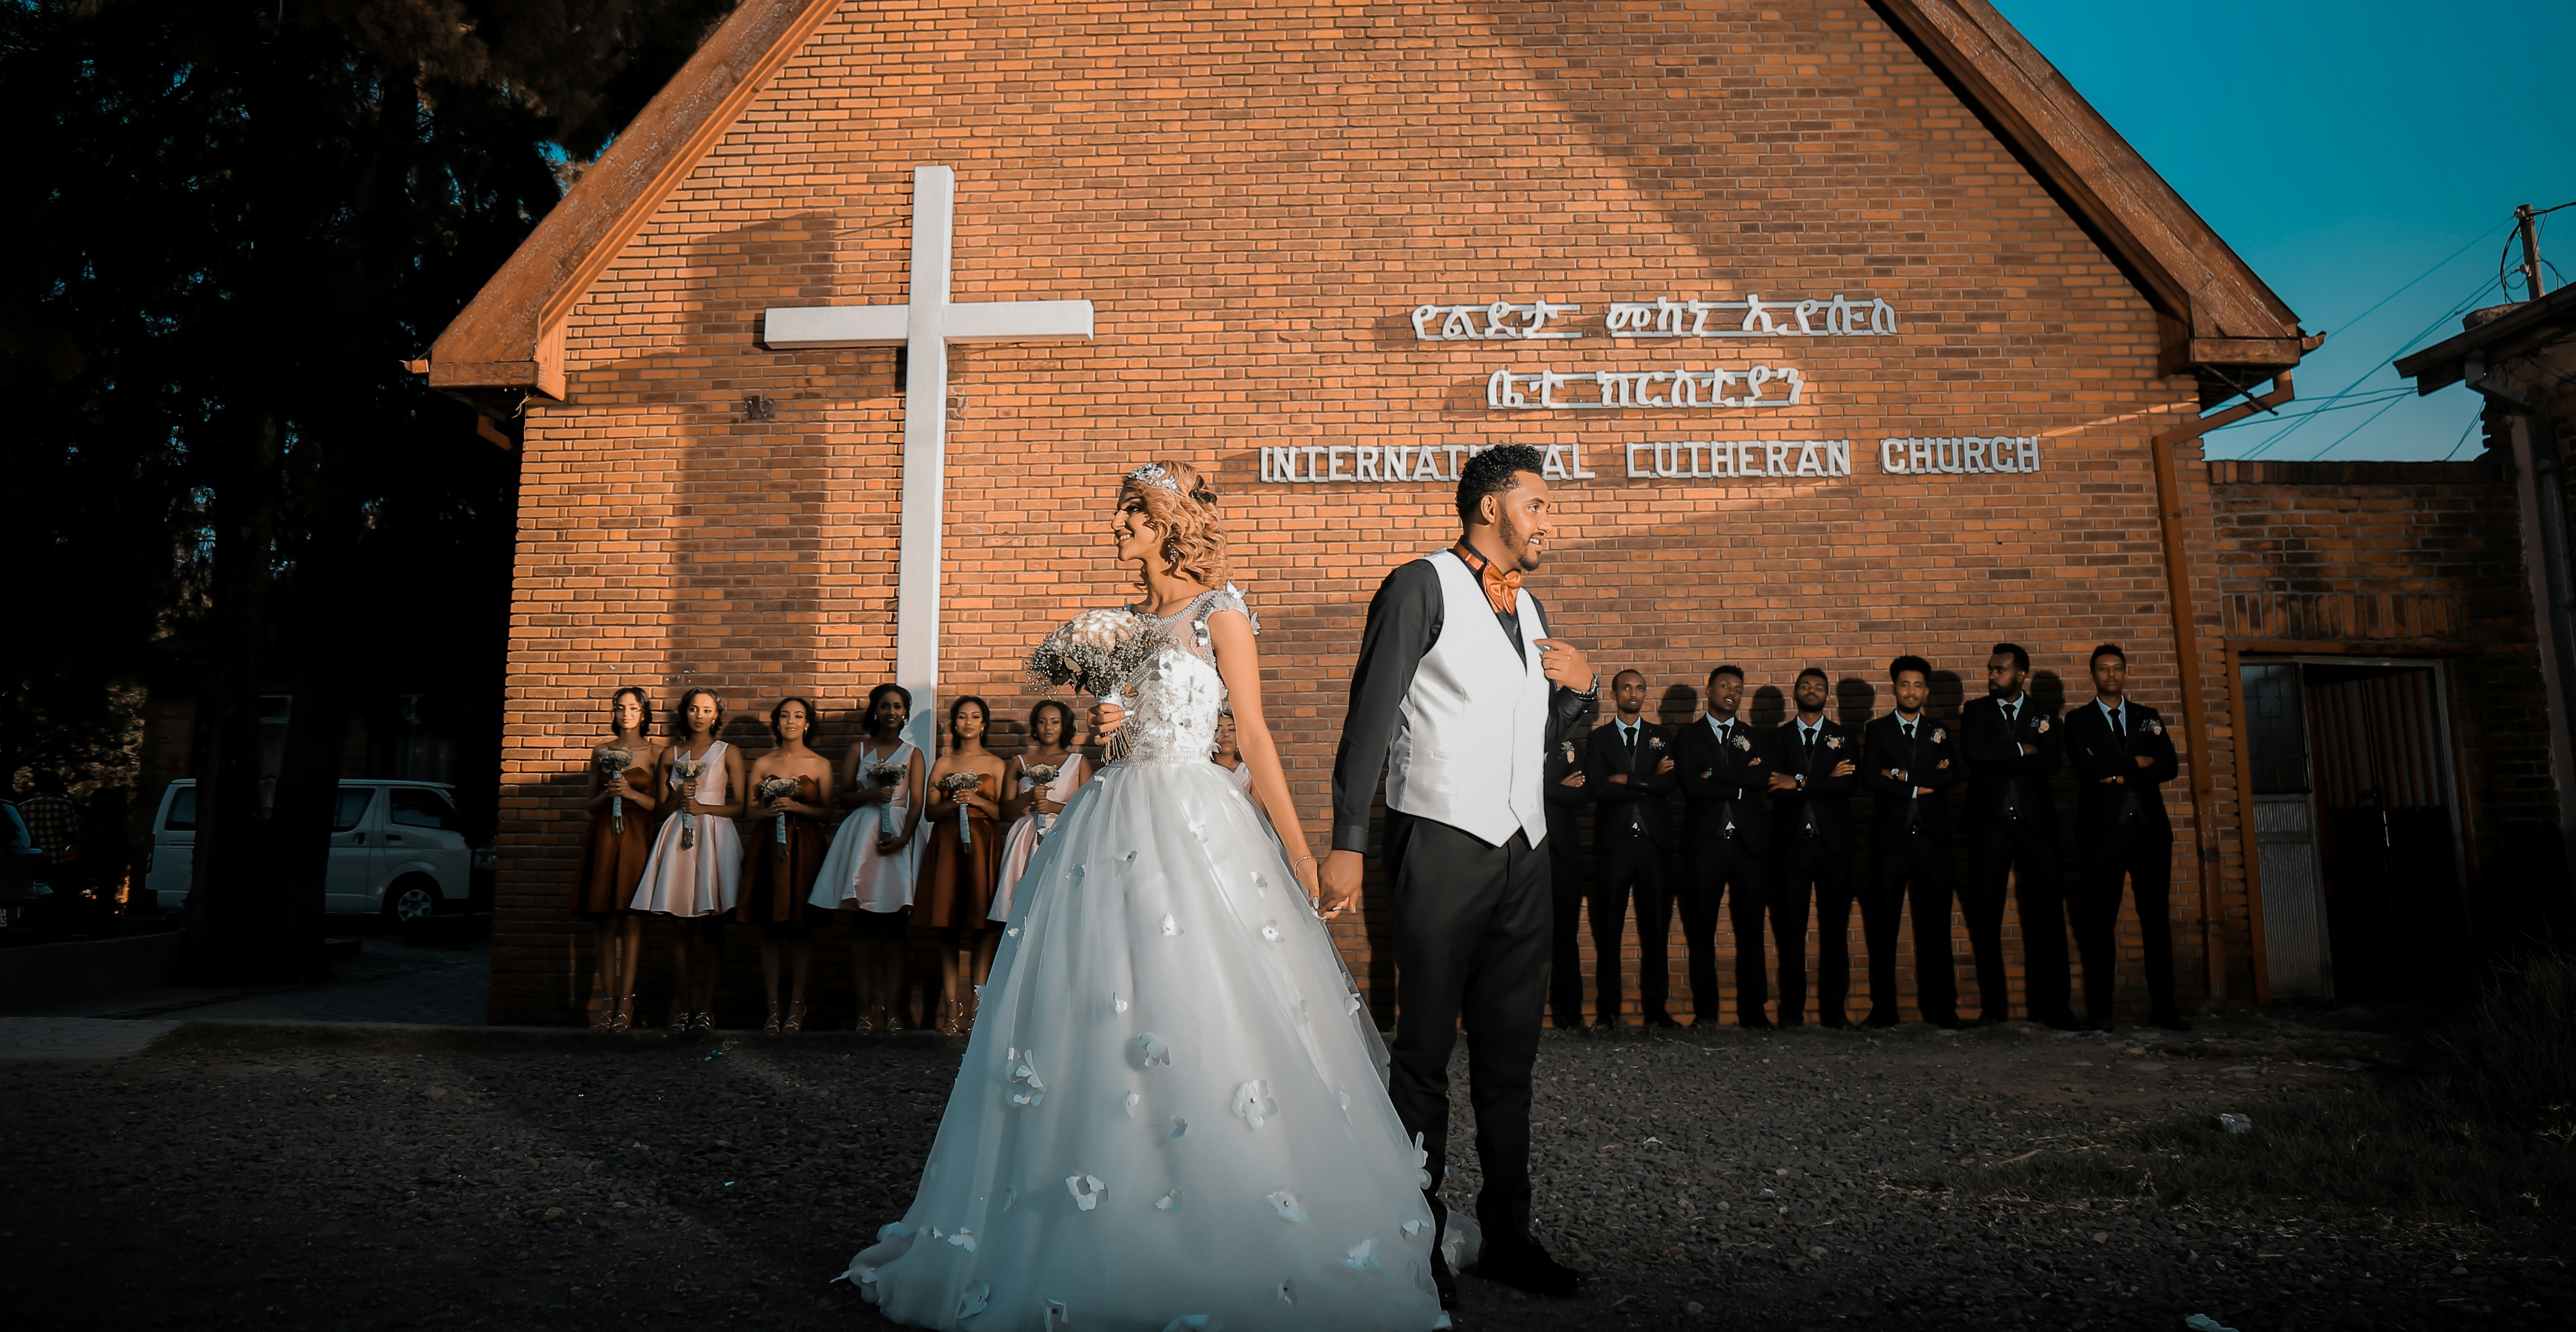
(1502, 590)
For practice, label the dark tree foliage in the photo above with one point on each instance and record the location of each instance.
(229, 223)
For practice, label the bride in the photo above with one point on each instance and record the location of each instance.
(1170, 1114)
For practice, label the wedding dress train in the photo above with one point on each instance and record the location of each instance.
(1170, 1115)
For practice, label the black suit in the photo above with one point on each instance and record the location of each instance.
(2012, 830)
(1811, 829)
(1565, 805)
(2121, 831)
(1909, 843)
(1726, 831)
(1632, 831)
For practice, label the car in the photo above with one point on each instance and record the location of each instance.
(26, 900)
(396, 850)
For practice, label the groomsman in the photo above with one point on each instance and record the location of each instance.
(1725, 834)
(1811, 789)
(1908, 763)
(1629, 769)
(2013, 745)
(2122, 759)
(1568, 793)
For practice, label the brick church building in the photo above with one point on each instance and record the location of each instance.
(1850, 330)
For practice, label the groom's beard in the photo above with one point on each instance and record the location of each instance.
(1516, 545)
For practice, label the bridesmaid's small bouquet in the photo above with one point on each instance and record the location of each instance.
(610, 763)
(778, 788)
(953, 786)
(683, 771)
(1044, 775)
(1095, 652)
(890, 813)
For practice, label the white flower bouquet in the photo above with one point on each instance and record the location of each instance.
(890, 813)
(683, 771)
(953, 786)
(1095, 653)
(1043, 775)
(611, 763)
(778, 788)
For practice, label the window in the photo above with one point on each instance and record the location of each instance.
(353, 807)
(183, 811)
(419, 807)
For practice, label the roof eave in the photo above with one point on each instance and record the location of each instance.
(2524, 329)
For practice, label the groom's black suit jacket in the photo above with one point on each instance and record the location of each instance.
(1404, 621)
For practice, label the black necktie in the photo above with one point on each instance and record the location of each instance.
(1628, 736)
(1908, 728)
(1807, 743)
(2120, 724)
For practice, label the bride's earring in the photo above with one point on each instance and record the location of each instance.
(1171, 552)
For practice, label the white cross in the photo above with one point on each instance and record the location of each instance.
(924, 327)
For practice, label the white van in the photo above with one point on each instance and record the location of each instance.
(395, 849)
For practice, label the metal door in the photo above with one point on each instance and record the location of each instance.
(2387, 831)
(2298, 949)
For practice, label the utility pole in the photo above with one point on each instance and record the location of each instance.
(2530, 252)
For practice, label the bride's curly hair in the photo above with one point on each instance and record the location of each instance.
(1193, 548)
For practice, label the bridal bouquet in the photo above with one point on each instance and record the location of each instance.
(1044, 774)
(778, 788)
(611, 763)
(1095, 652)
(683, 771)
(957, 784)
(890, 813)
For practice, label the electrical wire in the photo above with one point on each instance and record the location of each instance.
(2374, 368)
(2474, 418)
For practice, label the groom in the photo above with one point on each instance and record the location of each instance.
(1454, 683)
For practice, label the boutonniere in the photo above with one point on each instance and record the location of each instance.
(1833, 742)
(1938, 735)
(2153, 727)
(1568, 748)
(2043, 726)
(1654, 742)
(1745, 743)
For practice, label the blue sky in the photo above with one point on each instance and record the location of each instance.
(2344, 149)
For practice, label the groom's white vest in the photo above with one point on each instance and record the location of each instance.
(1471, 736)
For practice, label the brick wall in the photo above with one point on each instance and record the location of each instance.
(2419, 560)
(1255, 196)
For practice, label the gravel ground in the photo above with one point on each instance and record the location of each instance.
(290, 1178)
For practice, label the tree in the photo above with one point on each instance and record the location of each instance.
(234, 220)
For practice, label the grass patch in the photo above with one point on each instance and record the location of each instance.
(2487, 1126)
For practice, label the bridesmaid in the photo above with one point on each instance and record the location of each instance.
(959, 864)
(786, 856)
(695, 885)
(1051, 746)
(868, 877)
(613, 854)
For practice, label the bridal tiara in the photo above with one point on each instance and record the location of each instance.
(1152, 474)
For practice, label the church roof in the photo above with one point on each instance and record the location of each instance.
(2220, 320)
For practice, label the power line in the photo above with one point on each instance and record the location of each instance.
(2474, 418)
(2374, 368)
(2383, 411)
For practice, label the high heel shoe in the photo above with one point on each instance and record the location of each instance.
(622, 1017)
(948, 1021)
(606, 1012)
(680, 1023)
(770, 1028)
(795, 1018)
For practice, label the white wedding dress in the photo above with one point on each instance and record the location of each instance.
(1170, 1116)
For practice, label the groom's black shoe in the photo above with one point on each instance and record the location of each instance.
(1522, 1265)
(1441, 1280)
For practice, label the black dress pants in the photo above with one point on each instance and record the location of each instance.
(1916, 866)
(1714, 867)
(1880, 911)
(2147, 863)
(2029, 855)
(1630, 859)
(1565, 951)
(1809, 868)
(1471, 945)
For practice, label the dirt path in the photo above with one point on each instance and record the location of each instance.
(305, 1178)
